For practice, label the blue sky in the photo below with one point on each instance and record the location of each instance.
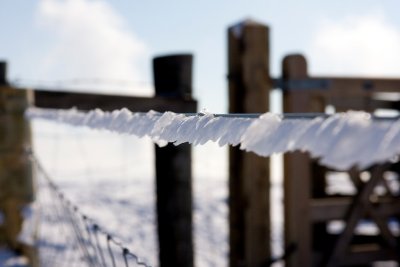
(52, 40)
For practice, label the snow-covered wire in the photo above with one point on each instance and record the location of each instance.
(341, 141)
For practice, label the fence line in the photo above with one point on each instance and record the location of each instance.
(91, 244)
(325, 137)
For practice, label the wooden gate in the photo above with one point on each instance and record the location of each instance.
(324, 224)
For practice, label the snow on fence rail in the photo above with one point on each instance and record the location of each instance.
(340, 141)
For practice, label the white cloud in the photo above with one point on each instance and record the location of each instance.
(91, 42)
(358, 45)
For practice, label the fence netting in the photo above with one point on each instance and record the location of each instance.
(65, 236)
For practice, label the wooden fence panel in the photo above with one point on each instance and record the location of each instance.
(308, 206)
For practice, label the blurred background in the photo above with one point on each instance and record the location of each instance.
(107, 47)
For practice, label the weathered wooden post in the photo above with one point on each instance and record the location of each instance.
(3, 73)
(297, 171)
(173, 79)
(16, 176)
(249, 185)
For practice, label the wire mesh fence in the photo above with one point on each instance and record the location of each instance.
(68, 237)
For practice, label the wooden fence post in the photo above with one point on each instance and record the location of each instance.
(173, 79)
(16, 175)
(3, 73)
(297, 171)
(249, 185)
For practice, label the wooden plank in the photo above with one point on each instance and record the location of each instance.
(319, 232)
(329, 209)
(383, 226)
(87, 101)
(173, 167)
(297, 172)
(354, 214)
(368, 256)
(346, 86)
(347, 92)
(336, 208)
(340, 87)
(249, 85)
(358, 239)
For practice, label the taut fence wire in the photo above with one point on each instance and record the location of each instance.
(68, 237)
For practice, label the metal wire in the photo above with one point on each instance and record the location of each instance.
(286, 116)
(87, 234)
(283, 116)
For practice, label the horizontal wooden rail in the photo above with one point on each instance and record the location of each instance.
(87, 101)
(335, 208)
(367, 84)
(340, 85)
(368, 256)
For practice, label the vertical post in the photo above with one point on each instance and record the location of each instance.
(3, 73)
(249, 85)
(297, 171)
(16, 175)
(173, 79)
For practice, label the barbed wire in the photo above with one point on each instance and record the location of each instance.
(96, 247)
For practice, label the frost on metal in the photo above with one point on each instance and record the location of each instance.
(340, 141)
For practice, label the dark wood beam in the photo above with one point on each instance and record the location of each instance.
(87, 101)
